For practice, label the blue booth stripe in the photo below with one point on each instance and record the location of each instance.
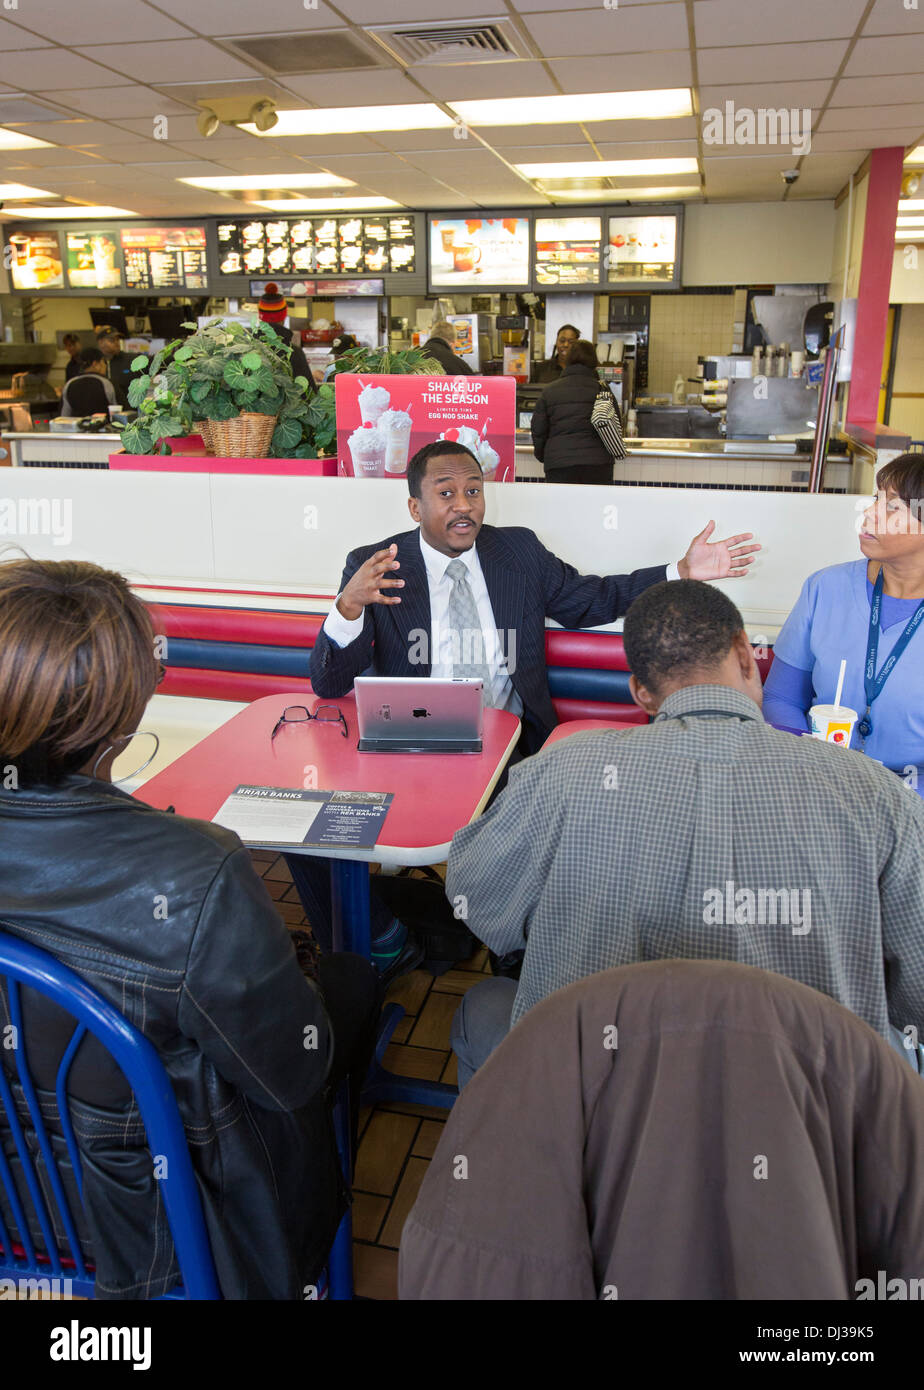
(237, 656)
(573, 683)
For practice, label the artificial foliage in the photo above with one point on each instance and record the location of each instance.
(219, 372)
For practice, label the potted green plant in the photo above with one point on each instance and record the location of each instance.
(231, 384)
(321, 409)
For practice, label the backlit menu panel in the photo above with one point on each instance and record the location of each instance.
(568, 250)
(319, 245)
(164, 258)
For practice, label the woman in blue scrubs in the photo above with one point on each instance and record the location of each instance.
(871, 612)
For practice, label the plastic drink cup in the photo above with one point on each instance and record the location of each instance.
(373, 402)
(367, 445)
(833, 724)
(396, 426)
(448, 236)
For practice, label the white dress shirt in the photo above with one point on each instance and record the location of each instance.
(498, 647)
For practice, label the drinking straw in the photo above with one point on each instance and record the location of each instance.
(485, 426)
(840, 684)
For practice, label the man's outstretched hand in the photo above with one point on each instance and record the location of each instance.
(728, 559)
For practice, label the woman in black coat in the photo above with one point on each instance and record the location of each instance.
(167, 918)
(564, 440)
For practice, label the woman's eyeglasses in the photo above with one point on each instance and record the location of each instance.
(298, 714)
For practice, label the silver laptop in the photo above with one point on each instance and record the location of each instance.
(418, 714)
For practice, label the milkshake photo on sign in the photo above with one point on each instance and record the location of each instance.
(383, 420)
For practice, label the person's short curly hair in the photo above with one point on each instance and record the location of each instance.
(673, 629)
(77, 664)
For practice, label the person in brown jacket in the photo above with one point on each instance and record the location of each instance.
(681, 1130)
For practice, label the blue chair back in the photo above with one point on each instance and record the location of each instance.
(24, 964)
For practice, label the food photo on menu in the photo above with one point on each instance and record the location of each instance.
(492, 251)
(383, 420)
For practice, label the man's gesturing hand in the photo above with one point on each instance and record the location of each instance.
(728, 559)
(368, 582)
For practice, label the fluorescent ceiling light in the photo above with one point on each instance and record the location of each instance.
(593, 106)
(911, 205)
(17, 191)
(326, 204)
(910, 236)
(916, 156)
(246, 181)
(621, 195)
(351, 120)
(609, 168)
(13, 140)
(910, 221)
(69, 210)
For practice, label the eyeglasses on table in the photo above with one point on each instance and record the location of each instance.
(298, 714)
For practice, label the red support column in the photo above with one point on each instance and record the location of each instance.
(885, 181)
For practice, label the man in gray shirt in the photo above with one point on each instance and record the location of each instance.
(705, 835)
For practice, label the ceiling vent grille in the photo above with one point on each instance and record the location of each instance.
(326, 51)
(461, 41)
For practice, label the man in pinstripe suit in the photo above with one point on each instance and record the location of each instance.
(514, 581)
(412, 623)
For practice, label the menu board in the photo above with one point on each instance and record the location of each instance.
(472, 252)
(568, 250)
(36, 261)
(642, 248)
(164, 258)
(322, 245)
(93, 260)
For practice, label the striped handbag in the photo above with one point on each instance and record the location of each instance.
(605, 419)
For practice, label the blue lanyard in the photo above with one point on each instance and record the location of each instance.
(872, 683)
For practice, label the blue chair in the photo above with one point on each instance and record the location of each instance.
(24, 964)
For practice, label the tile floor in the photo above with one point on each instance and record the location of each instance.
(396, 1141)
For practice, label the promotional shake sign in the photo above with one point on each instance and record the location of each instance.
(383, 420)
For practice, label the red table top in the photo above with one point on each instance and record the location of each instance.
(580, 726)
(434, 794)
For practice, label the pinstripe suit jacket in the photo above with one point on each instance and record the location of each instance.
(526, 583)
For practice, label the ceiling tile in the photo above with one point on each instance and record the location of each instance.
(875, 139)
(867, 91)
(215, 18)
(641, 149)
(145, 152)
(355, 165)
(76, 134)
(888, 17)
(313, 146)
(369, 12)
(544, 6)
(402, 140)
(173, 61)
(366, 87)
(639, 29)
(685, 128)
(128, 21)
(470, 81)
(723, 22)
(550, 135)
(774, 62)
(11, 36)
(861, 118)
(117, 102)
(639, 73)
(902, 53)
(50, 68)
(536, 154)
(767, 94)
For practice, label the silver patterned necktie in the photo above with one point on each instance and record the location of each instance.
(465, 627)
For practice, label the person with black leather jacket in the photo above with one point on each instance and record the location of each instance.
(564, 440)
(440, 345)
(167, 918)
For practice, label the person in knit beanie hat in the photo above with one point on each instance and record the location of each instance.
(273, 311)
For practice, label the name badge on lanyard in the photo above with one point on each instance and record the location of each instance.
(873, 684)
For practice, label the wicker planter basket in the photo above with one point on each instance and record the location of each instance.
(246, 436)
